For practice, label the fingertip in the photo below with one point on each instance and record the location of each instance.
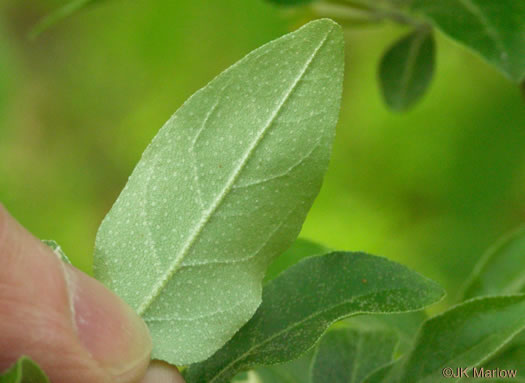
(114, 335)
(69, 323)
(162, 372)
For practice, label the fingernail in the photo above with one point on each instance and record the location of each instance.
(115, 337)
(162, 372)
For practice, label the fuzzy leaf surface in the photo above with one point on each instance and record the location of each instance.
(223, 189)
(407, 68)
(303, 301)
(348, 355)
(24, 370)
(493, 29)
(464, 336)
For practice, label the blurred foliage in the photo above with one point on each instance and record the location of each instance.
(431, 188)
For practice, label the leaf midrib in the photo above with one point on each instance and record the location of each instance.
(410, 66)
(158, 287)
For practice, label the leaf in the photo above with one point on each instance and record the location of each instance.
(464, 336)
(295, 371)
(405, 325)
(300, 304)
(501, 271)
(406, 69)
(493, 29)
(300, 249)
(348, 355)
(59, 14)
(510, 358)
(222, 190)
(354, 330)
(24, 370)
(57, 250)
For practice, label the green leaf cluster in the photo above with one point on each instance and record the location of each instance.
(300, 304)
(193, 241)
(485, 331)
(223, 190)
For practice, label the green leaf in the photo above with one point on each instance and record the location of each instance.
(356, 331)
(406, 69)
(222, 190)
(511, 357)
(501, 271)
(300, 304)
(300, 249)
(295, 371)
(57, 250)
(406, 326)
(464, 336)
(24, 370)
(493, 29)
(348, 355)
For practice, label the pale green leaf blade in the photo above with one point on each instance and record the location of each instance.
(493, 29)
(24, 370)
(57, 250)
(348, 355)
(224, 188)
(304, 300)
(300, 249)
(406, 69)
(501, 271)
(464, 336)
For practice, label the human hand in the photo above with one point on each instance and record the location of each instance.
(70, 324)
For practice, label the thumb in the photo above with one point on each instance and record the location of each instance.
(69, 323)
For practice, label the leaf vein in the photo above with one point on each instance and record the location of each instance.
(175, 318)
(283, 173)
(175, 265)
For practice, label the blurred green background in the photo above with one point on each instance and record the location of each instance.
(431, 188)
